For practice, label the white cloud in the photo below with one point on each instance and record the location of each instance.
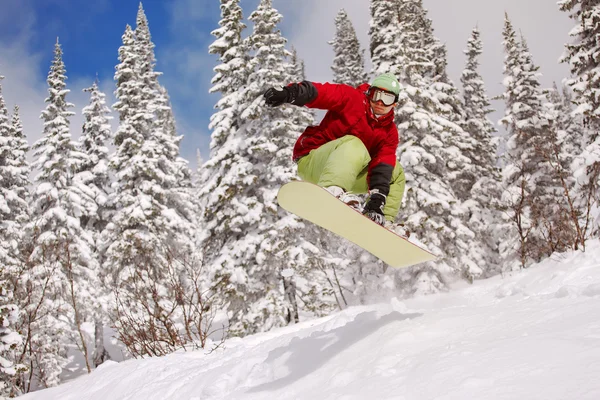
(23, 87)
(188, 70)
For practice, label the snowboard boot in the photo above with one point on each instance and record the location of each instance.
(350, 199)
(398, 229)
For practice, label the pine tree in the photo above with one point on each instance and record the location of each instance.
(93, 173)
(19, 176)
(516, 173)
(348, 62)
(61, 274)
(9, 340)
(21, 168)
(485, 189)
(14, 182)
(149, 241)
(462, 174)
(255, 299)
(533, 198)
(255, 252)
(384, 34)
(477, 103)
(14, 213)
(415, 42)
(569, 132)
(230, 75)
(429, 151)
(582, 56)
(219, 176)
(569, 127)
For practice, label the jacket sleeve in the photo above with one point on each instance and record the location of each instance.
(330, 96)
(382, 165)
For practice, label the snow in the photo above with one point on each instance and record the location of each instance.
(287, 273)
(531, 335)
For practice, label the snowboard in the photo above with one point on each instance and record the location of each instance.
(317, 205)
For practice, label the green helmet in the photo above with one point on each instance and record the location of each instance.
(387, 82)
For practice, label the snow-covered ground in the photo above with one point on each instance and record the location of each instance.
(532, 335)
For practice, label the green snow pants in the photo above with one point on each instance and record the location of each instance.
(344, 162)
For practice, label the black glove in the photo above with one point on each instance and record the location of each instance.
(276, 96)
(374, 207)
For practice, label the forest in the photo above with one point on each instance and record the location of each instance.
(111, 230)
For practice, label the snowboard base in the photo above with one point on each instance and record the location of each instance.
(320, 207)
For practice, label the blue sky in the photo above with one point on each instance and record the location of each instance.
(90, 34)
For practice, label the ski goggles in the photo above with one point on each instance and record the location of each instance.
(375, 94)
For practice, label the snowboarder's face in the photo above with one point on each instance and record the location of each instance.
(381, 100)
(379, 108)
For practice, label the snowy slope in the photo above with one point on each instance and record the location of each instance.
(533, 335)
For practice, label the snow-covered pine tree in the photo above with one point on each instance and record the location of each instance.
(533, 198)
(19, 173)
(384, 35)
(247, 239)
(230, 75)
(20, 170)
(570, 125)
(93, 172)
(14, 191)
(514, 250)
(482, 200)
(215, 188)
(156, 97)
(60, 278)
(567, 133)
(477, 107)
(581, 55)
(218, 176)
(447, 103)
(14, 213)
(10, 339)
(258, 302)
(349, 61)
(415, 43)
(553, 211)
(149, 241)
(428, 154)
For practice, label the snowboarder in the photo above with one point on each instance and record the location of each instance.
(353, 149)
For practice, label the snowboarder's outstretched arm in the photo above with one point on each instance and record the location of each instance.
(324, 96)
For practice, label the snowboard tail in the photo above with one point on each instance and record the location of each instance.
(320, 207)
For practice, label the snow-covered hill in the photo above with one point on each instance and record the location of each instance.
(532, 335)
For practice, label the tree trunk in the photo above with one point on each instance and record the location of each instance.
(100, 353)
(289, 288)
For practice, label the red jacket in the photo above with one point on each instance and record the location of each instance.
(349, 113)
